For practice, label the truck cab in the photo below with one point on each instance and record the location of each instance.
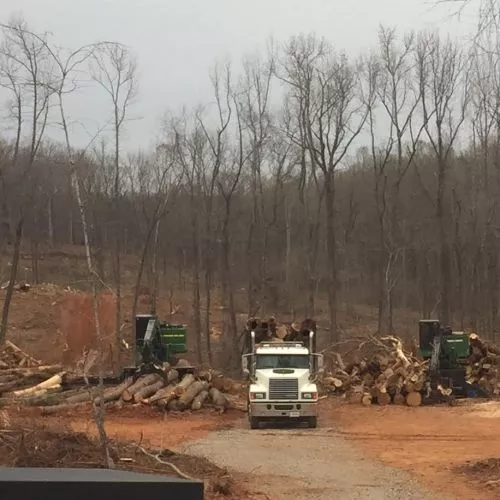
(282, 381)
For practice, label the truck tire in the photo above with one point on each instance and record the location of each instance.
(312, 422)
(254, 423)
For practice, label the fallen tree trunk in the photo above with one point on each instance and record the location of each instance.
(51, 382)
(225, 385)
(181, 387)
(172, 376)
(47, 369)
(172, 405)
(191, 392)
(148, 390)
(23, 382)
(128, 394)
(14, 384)
(235, 403)
(383, 398)
(8, 378)
(198, 401)
(86, 394)
(218, 399)
(163, 396)
(50, 398)
(49, 410)
(414, 399)
(113, 393)
(366, 399)
(399, 399)
(43, 392)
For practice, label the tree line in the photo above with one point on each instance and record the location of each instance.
(370, 180)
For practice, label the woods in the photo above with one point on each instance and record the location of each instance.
(311, 174)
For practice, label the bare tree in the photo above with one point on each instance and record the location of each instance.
(399, 99)
(190, 143)
(114, 69)
(332, 107)
(211, 167)
(66, 82)
(257, 120)
(27, 72)
(443, 79)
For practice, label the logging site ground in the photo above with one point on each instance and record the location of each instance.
(390, 452)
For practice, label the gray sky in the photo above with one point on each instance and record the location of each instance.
(177, 41)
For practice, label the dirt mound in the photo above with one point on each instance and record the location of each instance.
(45, 448)
(78, 325)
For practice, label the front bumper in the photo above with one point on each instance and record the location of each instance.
(277, 409)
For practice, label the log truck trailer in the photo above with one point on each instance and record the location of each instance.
(282, 380)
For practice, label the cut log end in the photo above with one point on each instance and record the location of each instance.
(414, 399)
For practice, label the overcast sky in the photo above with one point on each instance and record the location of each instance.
(177, 41)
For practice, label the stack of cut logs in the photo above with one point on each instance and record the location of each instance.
(54, 389)
(483, 367)
(168, 392)
(379, 371)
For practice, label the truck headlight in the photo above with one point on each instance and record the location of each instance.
(257, 395)
(309, 395)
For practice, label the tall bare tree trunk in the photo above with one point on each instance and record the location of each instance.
(12, 279)
(332, 252)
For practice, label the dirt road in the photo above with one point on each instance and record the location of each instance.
(304, 464)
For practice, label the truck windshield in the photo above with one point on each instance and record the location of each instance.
(265, 361)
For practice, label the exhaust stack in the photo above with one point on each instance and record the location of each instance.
(311, 348)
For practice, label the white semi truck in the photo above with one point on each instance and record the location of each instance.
(282, 381)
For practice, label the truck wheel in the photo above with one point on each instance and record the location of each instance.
(254, 423)
(312, 422)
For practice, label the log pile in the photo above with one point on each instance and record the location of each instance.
(483, 367)
(55, 390)
(379, 371)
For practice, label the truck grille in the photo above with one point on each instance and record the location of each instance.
(283, 388)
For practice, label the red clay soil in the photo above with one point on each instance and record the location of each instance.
(77, 324)
(134, 424)
(42, 448)
(139, 424)
(69, 440)
(441, 444)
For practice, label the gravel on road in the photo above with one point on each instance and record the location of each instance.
(305, 464)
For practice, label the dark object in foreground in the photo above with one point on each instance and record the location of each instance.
(98, 484)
